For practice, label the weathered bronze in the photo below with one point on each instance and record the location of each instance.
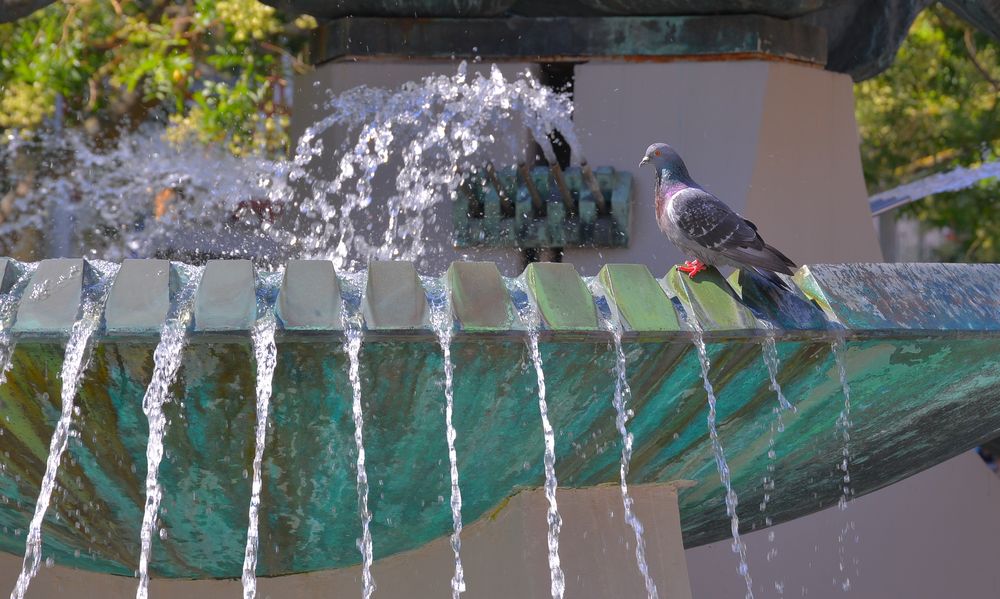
(921, 352)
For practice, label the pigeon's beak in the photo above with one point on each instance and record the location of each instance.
(644, 161)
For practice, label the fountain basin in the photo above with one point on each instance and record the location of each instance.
(922, 361)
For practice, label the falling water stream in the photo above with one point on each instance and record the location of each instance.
(839, 348)
(441, 320)
(770, 354)
(623, 392)
(166, 363)
(353, 336)
(266, 354)
(739, 547)
(8, 308)
(77, 354)
(531, 319)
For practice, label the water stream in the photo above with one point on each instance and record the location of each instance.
(839, 349)
(623, 393)
(166, 363)
(353, 337)
(95, 295)
(732, 501)
(441, 320)
(770, 354)
(436, 131)
(532, 321)
(266, 355)
(8, 310)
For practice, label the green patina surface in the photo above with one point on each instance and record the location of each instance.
(638, 298)
(479, 298)
(501, 210)
(561, 296)
(570, 37)
(710, 300)
(920, 394)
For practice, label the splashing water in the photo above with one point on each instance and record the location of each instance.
(187, 200)
(531, 319)
(143, 196)
(441, 320)
(266, 354)
(74, 363)
(8, 310)
(623, 392)
(166, 363)
(441, 129)
(732, 501)
(353, 336)
(839, 348)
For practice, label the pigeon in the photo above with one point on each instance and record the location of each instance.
(703, 226)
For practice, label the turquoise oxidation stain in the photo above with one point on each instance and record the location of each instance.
(920, 395)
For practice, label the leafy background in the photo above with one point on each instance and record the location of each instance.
(933, 110)
(212, 70)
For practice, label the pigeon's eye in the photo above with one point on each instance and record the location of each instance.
(657, 152)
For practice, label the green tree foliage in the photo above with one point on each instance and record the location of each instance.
(933, 110)
(213, 70)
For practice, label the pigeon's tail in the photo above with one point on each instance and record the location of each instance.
(780, 256)
(772, 278)
(762, 257)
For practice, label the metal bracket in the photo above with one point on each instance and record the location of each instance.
(531, 208)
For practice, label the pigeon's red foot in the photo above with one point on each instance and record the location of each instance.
(692, 267)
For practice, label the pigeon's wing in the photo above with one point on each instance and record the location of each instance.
(709, 222)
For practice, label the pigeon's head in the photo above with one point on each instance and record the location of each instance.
(666, 161)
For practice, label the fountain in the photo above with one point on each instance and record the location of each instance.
(363, 412)
(927, 378)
